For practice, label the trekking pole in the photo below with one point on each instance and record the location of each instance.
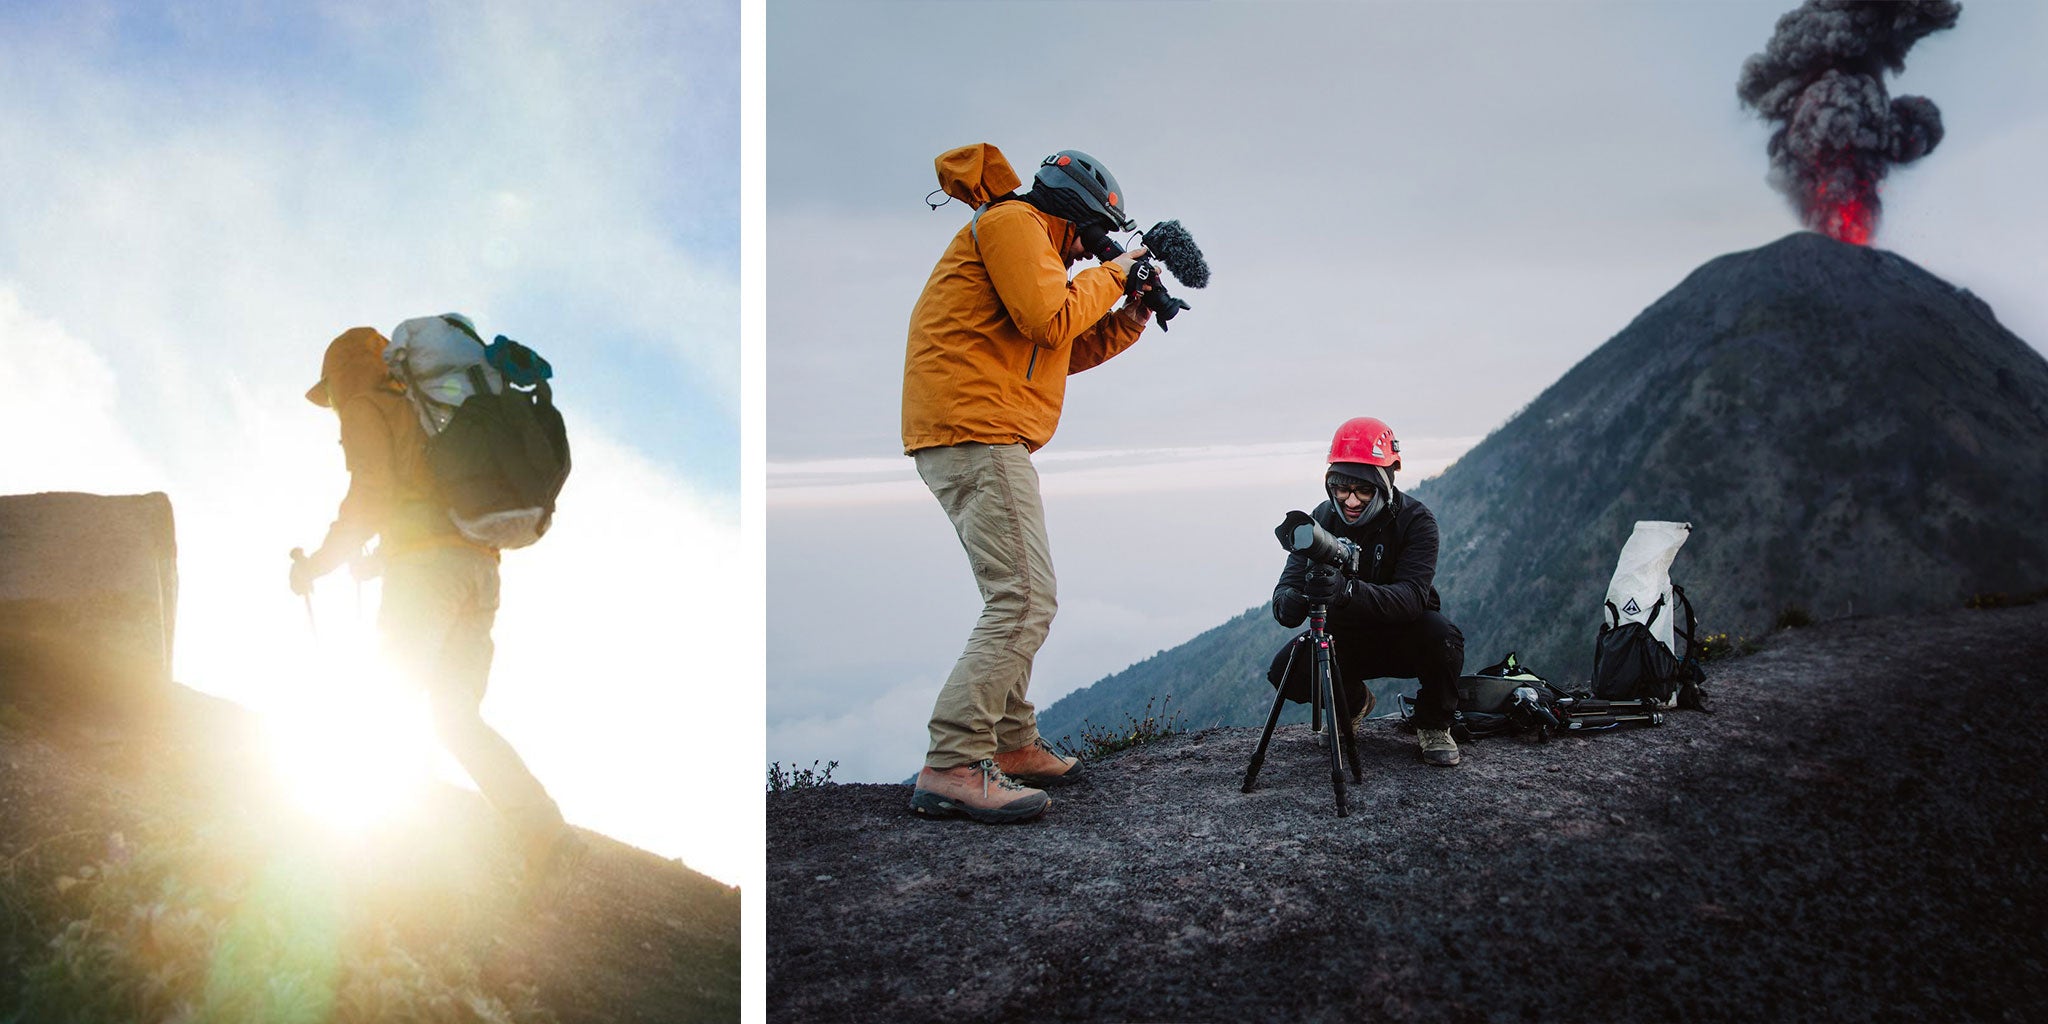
(299, 555)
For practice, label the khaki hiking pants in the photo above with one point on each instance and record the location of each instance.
(990, 492)
(439, 604)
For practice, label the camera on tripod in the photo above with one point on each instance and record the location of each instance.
(1174, 247)
(1300, 535)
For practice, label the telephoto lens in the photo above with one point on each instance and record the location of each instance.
(1300, 535)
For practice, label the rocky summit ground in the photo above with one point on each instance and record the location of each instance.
(1859, 832)
(149, 872)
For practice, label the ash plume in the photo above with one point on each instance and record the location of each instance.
(1821, 81)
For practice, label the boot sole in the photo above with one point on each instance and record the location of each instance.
(1067, 778)
(932, 805)
(1048, 781)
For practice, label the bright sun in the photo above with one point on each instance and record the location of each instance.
(349, 744)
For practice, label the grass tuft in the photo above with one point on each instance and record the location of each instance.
(1793, 617)
(1101, 741)
(1721, 647)
(781, 781)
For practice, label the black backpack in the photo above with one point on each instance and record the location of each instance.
(1509, 699)
(1631, 664)
(501, 463)
(1501, 700)
(496, 447)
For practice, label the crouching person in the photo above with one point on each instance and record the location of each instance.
(1388, 620)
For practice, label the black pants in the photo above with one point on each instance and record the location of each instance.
(1430, 649)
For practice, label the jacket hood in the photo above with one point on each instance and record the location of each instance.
(354, 365)
(976, 174)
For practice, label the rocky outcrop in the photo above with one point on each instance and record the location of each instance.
(88, 598)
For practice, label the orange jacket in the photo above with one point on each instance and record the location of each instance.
(390, 489)
(999, 325)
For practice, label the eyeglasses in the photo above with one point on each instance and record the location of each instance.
(1362, 492)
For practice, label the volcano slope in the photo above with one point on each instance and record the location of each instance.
(149, 871)
(1848, 434)
(1858, 832)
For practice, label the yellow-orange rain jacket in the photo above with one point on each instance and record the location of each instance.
(999, 326)
(390, 490)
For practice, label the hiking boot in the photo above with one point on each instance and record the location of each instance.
(1437, 747)
(553, 862)
(1039, 765)
(980, 791)
(552, 852)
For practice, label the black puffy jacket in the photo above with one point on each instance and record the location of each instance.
(1396, 571)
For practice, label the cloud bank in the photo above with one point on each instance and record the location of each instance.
(200, 199)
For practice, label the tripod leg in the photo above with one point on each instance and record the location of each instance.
(1326, 694)
(1340, 709)
(1348, 728)
(1315, 716)
(1251, 771)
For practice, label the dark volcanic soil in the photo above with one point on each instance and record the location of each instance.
(1857, 833)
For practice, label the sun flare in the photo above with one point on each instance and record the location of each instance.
(350, 744)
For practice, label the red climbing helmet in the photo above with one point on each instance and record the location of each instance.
(1365, 440)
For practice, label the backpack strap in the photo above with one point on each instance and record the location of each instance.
(414, 397)
(1692, 624)
(456, 322)
(974, 222)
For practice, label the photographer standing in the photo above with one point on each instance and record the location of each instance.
(992, 340)
(1388, 620)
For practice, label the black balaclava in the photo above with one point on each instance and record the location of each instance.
(1354, 474)
(1064, 205)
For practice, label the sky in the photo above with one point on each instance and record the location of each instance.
(1425, 212)
(201, 196)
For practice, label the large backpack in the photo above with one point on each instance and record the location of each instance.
(496, 447)
(1634, 657)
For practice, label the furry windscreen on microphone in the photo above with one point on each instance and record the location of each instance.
(1177, 249)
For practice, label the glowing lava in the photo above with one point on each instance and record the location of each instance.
(1851, 220)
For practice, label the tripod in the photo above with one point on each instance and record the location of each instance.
(1324, 693)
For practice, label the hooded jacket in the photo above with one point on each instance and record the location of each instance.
(999, 325)
(1397, 568)
(390, 491)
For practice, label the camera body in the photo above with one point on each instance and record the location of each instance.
(1104, 248)
(1300, 535)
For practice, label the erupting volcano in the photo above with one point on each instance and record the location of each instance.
(1821, 80)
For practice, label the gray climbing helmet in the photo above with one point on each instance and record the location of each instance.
(1074, 185)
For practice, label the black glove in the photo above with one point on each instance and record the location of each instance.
(1323, 586)
(1289, 608)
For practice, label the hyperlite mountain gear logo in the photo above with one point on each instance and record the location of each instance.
(1631, 608)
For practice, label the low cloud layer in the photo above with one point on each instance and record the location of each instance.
(872, 591)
